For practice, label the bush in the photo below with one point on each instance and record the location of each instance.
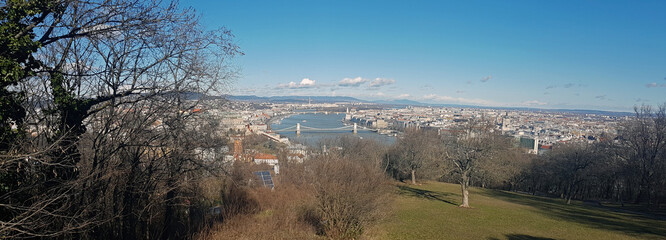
(348, 195)
(335, 196)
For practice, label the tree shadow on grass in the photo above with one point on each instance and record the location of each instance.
(430, 195)
(521, 237)
(596, 217)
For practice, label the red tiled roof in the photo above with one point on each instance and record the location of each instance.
(264, 156)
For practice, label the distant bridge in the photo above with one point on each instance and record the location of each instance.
(318, 112)
(298, 128)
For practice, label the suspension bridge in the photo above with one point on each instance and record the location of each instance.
(298, 128)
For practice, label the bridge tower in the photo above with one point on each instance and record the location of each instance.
(355, 131)
(298, 128)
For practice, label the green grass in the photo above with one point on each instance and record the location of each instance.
(431, 211)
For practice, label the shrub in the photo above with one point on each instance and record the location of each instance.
(348, 195)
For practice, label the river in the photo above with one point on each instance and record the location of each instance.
(323, 121)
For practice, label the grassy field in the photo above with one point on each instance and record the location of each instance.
(431, 211)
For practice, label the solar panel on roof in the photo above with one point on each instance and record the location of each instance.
(265, 178)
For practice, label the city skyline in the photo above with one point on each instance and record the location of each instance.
(606, 55)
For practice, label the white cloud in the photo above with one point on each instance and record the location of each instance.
(567, 85)
(379, 82)
(654, 85)
(378, 94)
(534, 103)
(403, 96)
(437, 98)
(246, 91)
(352, 82)
(305, 83)
(487, 78)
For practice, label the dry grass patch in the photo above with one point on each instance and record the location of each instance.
(278, 218)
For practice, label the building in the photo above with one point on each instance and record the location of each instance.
(266, 158)
(530, 143)
(380, 124)
(258, 127)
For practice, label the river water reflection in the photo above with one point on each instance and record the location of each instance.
(323, 121)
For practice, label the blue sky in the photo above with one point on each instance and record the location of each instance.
(607, 55)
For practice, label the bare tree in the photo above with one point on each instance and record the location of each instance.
(367, 151)
(644, 151)
(109, 110)
(413, 151)
(503, 169)
(349, 195)
(630, 166)
(466, 148)
(572, 164)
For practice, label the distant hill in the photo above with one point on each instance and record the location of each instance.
(294, 99)
(406, 102)
(583, 111)
(401, 102)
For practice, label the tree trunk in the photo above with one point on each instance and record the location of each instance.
(465, 196)
(413, 176)
(170, 230)
(464, 184)
(569, 193)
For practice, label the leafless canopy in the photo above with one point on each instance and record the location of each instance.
(111, 136)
